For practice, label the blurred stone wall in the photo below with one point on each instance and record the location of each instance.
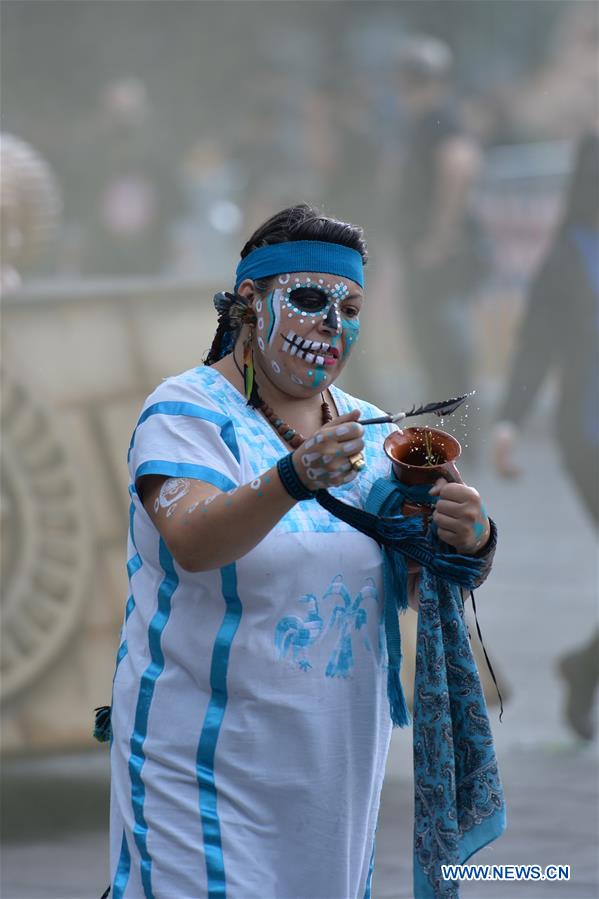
(77, 362)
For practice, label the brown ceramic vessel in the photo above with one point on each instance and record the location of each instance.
(411, 452)
(421, 455)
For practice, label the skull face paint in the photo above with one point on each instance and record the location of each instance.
(309, 325)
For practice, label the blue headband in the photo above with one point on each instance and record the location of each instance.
(302, 256)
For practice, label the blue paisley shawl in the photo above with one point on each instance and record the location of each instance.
(458, 797)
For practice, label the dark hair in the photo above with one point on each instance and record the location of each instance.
(304, 222)
(582, 206)
(300, 222)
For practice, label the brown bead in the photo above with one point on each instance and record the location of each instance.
(326, 412)
(282, 428)
(296, 441)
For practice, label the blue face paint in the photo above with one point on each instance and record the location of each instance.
(273, 314)
(351, 333)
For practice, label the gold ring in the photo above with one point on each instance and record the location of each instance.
(357, 462)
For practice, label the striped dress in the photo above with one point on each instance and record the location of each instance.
(250, 717)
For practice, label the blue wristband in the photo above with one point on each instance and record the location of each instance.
(291, 481)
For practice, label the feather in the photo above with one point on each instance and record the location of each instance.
(440, 409)
(445, 408)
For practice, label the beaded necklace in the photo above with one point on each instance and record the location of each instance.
(283, 429)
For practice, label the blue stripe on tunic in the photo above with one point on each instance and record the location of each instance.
(368, 890)
(185, 470)
(122, 872)
(192, 410)
(142, 712)
(133, 565)
(122, 652)
(215, 868)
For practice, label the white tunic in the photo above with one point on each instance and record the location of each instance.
(250, 715)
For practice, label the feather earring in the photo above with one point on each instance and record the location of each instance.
(248, 364)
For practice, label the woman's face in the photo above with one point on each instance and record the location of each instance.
(308, 324)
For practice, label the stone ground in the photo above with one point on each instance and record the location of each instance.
(540, 601)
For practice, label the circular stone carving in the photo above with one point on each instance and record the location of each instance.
(45, 550)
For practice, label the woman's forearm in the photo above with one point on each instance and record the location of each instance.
(205, 528)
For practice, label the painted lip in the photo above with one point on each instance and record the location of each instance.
(314, 352)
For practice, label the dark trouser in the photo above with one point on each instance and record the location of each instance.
(581, 666)
(582, 465)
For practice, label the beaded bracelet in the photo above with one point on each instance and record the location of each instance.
(290, 480)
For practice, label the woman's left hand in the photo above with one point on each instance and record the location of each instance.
(460, 516)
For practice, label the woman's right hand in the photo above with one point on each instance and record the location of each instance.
(322, 461)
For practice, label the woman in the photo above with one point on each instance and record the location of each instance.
(250, 717)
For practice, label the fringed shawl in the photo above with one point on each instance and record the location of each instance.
(459, 805)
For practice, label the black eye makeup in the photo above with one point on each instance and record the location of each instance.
(309, 299)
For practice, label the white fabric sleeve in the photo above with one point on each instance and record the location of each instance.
(181, 433)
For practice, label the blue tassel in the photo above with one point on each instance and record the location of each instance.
(102, 726)
(396, 599)
(397, 700)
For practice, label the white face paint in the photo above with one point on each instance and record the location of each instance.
(307, 326)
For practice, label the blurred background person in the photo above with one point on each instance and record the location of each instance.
(30, 210)
(439, 238)
(559, 334)
(125, 196)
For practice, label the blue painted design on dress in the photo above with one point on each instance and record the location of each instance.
(348, 618)
(296, 634)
